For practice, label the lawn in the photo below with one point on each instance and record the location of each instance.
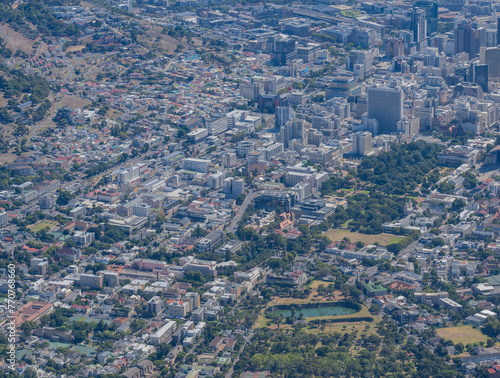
(41, 226)
(382, 239)
(464, 334)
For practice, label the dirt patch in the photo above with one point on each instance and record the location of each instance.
(155, 39)
(76, 48)
(16, 41)
(73, 101)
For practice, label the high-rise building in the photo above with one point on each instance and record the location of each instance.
(491, 57)
(155, 306)
(480, 75)
(361, 143)
(498, 31)
(467, 38)
(294, 129)
(229, 160)
(283, 50)
(283, 114)
(4, 218)
(394, 47)
(431, 14)
(386, 106)
(418, 25)
(251, 91)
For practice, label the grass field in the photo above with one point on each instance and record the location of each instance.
(41, 226)
(382, 239)
(464, 334)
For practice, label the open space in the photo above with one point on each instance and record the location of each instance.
(40, 226)
(382, 239)
(464, 334)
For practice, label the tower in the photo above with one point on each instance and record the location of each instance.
(386, 106)
(418, 25)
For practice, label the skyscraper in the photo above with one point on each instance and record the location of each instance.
(418, 25)
(480, 75)
(466, 39)
(386, 106)
(294, 129)
(283, 114)
(283, 50)
(431, 14)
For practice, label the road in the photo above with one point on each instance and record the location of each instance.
(234, 223)
(248, 340)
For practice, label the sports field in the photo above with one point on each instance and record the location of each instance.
(382, 239)
(464, 334)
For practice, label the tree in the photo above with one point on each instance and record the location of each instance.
(491, 327)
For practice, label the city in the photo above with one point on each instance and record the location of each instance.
(221, 189)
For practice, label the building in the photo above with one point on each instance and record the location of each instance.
(288, 278)
(32, 311)
(69, 254)
(197, 135)
(141, 210)
(216, 180)
(216, 125)
(155, 306)
(490, 57)
(4, 218)
(229, 160)
(467, 38)
(293, 129)
(361, 143)
(272, 199)
(79, 211)
(251, 91)
(178, 309)
(458, 155)
(418, 25)
(386, 106)
(163, 334)
(431, 14)
(94, 281)
(374, 290)
(283, 51)
(83, 238)
(196, 165)
(210, 242)
(393, 47)
(111, 279)
(233, 187)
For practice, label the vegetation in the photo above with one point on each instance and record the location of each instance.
(401, 170)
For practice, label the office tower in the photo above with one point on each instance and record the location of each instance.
(283, 114)
(491, 57)
(480, 75)
(418, 25)
(251, 91)
(467, 39)
(386, 106)
(498, 31)
(361, 143)
(294, 129)
(431, 14)
(394, 47)
(283, 50)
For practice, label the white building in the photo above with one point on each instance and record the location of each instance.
(197, 165)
